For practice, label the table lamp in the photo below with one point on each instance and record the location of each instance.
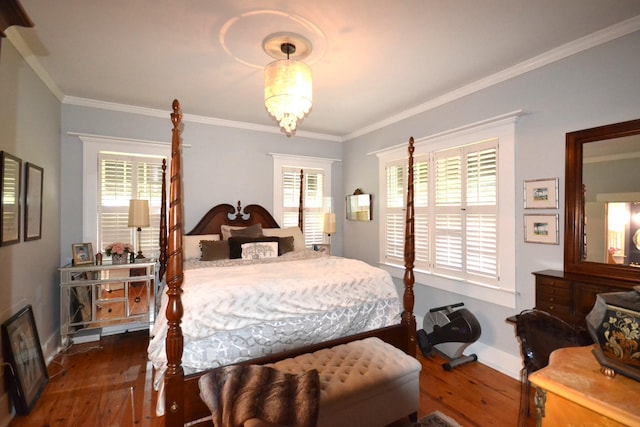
(329, 224)
(139, 217)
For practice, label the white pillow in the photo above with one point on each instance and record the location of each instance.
(259, 250)
(298, 237)
(191, 244)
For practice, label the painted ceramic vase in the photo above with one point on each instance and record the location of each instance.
(120, 258)
(614, 325)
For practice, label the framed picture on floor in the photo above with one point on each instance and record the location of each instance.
(21, 348)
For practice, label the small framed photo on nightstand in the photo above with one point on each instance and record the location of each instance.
(321, 247)
(82, 253)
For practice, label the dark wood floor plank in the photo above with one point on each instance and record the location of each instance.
(91, 385)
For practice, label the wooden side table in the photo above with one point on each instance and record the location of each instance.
(571, 390)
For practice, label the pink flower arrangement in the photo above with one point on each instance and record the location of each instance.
(612, 250)
(118, 248)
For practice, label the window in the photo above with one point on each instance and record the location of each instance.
(464, 210)
(115, 171)
(124, 177)
(317, 190)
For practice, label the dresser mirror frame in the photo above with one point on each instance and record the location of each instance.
(574, 225)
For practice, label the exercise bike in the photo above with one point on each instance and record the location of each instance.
(450, 332)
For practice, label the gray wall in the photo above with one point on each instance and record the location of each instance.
(30, 130)
(595, 87)
(220, 165)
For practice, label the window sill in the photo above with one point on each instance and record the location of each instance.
(491, 294)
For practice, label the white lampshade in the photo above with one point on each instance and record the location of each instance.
(329, 223)
(287, 92)
(138, 213)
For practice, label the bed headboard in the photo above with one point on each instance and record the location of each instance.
(228, 215)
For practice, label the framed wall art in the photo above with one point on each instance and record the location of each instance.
(22, 351)
(541, 228)
(82, 253)
(33, 202)
(541, 194)
(10, 176)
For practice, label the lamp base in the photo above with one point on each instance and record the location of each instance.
(139, 255)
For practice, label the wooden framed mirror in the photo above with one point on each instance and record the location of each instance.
(603, 183)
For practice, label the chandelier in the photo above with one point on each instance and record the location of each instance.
(287, 89)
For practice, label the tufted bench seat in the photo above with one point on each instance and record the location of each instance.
(364, 383)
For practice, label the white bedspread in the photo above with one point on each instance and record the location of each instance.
(240, 312)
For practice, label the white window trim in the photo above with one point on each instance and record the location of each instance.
(91, 146)
(287, 160)
(503, 128)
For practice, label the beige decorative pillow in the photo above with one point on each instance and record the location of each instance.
(213, 250)
(191, 244)
(226, 230)
(298, 237)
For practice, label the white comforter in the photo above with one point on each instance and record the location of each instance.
(244, 311)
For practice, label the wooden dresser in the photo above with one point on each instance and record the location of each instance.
(571, 296)
(572, 391)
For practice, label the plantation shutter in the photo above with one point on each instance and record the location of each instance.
(466, 211)
(482, 212)
(394, 212)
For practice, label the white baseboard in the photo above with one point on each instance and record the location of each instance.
(499, 360)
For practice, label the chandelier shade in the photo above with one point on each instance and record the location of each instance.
(287, 92)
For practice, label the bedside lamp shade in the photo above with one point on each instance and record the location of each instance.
(329, 224)
(139, 217)
(138, 213)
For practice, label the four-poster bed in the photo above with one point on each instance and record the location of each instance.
(182, 403)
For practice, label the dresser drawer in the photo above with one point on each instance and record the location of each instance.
(552, 283)
(562, 311)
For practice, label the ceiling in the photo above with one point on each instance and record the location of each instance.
(373, 61)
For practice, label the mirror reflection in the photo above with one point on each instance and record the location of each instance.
(359, 206)
(611, 182)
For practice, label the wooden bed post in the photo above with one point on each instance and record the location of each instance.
(162, 259)
(174, 377)
(408, 317)
(300, 205)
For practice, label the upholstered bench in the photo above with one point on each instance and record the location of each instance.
(364, 383)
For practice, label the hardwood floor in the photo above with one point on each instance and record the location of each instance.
(109, 383)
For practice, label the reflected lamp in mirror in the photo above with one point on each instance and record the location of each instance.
(139, 217)
(359, 206)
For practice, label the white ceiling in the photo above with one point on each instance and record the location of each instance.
(373, 61)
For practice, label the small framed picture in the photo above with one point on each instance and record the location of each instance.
(324, 248)
(541, 194)
(33, 202)
(82, 253)
(541, 228)
(22, 350)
